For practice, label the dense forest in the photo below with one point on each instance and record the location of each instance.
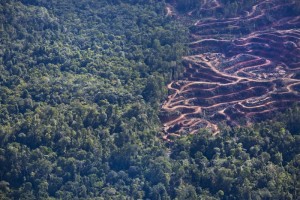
(81, 86)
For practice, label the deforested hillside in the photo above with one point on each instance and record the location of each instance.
(243, 66)
(83, 83)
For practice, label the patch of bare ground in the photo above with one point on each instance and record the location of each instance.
(239, 80)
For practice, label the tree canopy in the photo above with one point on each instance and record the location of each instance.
(81, 85)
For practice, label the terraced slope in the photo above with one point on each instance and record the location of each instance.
(241, 70)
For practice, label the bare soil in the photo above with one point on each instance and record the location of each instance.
(235, 77)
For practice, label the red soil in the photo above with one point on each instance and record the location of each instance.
(241, 80)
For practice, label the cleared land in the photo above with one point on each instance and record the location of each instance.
(252, 69)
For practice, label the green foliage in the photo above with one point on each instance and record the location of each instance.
(80, 87)
(184, 5)
(77, 85)
(243, 163)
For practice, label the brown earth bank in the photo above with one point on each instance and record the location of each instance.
(241, 69)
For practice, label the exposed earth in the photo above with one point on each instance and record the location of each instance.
(240, 70)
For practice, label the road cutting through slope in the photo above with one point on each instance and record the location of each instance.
(247, 76)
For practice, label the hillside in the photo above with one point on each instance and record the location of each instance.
(84, 87)
(242, 68)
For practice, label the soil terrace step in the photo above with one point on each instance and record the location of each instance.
(244, 79)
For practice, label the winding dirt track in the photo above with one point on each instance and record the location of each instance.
(245, 77)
